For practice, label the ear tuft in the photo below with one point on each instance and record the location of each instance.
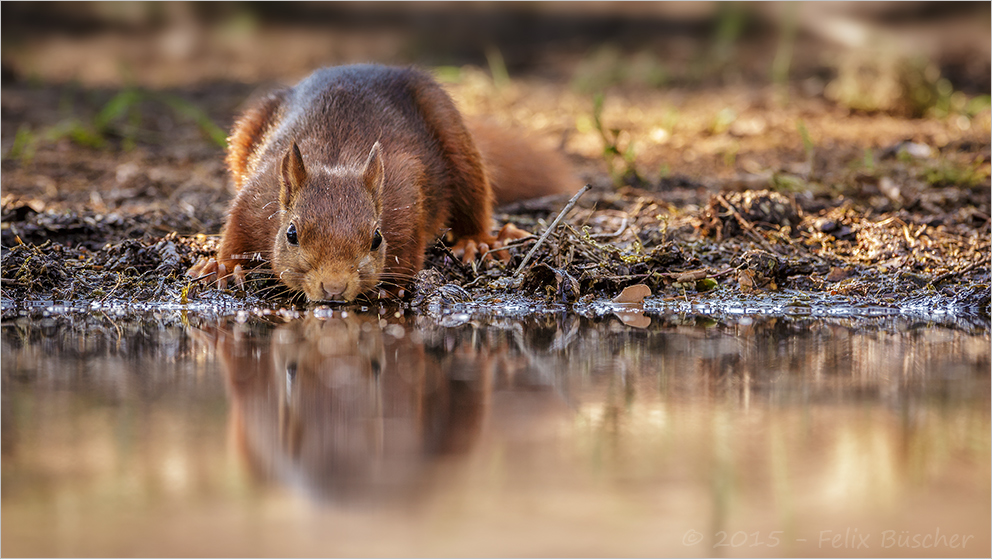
(292, 175)
(374, 173)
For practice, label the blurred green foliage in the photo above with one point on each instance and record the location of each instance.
(951, 173)
(619, 158)
(121, 116)
(608, 66)
(884, 81)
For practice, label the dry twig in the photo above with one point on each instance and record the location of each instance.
(554, 224)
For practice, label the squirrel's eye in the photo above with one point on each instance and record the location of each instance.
(376, 239)
(291, 235)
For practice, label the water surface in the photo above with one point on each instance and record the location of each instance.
(552, 435)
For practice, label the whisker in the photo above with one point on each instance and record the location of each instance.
(295, 299)
(396, 277)
(290, 273)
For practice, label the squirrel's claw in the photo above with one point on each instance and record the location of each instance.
(465, 250)
(239, 277)
(221, 276)
(196, 270)
(510, 232)
(211, 270)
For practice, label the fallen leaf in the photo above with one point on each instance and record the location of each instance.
(692, 275)
(633, 294)
(745, 279)
(838, 274)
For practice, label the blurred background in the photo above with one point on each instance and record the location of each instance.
(663, 95)
(590, 44)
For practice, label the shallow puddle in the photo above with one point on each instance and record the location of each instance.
(354, 434)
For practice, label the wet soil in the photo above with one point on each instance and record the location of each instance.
(705, 189)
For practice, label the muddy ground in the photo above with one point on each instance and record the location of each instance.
(858, 174)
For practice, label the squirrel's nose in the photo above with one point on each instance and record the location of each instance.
(333, 289)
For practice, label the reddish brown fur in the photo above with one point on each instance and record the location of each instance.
(517, 170)
(470, 204)
(251, 128)
(434, 176)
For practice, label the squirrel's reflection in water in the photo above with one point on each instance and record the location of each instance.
(347, 409)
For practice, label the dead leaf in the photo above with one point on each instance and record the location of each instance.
(838, 274)
(692, 275)
(745, 279)
(633, 294)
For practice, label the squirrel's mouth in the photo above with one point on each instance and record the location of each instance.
(320, 296)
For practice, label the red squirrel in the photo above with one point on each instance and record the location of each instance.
(343, 181)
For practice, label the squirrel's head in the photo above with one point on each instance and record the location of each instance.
(329, 244)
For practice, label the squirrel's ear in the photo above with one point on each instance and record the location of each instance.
(374, 172)
(292, 175)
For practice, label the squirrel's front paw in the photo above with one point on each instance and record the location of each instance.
(468, 248)
(211, 270)
(510, 232)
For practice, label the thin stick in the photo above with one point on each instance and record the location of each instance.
(552, 227)
(514, 243)
(623, 227)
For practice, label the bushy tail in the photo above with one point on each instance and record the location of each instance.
(517, 168)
